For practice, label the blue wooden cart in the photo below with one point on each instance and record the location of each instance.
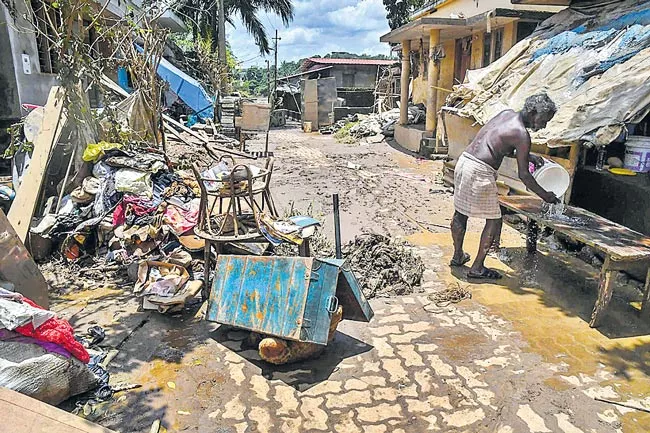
(287, 297)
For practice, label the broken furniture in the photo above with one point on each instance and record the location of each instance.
(622, 247)
(288, 297)
(232, 222)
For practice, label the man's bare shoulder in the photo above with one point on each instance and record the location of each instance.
(513, 126)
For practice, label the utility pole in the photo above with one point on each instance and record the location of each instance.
(221, 47)
(275, 88)
(268, 80)
(275, 69)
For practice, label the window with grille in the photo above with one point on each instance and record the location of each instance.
(45, 37)
(492, 46)
(498, 44)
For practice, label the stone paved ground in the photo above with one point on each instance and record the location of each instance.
(517, 357)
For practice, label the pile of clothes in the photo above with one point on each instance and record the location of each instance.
(39, 354)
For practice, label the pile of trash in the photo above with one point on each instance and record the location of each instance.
(383, 266)
(374, 127)
(131, 205)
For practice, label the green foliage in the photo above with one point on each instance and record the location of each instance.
(398, 11)
(252, 81)
(201, 17)
(343, 134)
(17, 141)
(289, 68)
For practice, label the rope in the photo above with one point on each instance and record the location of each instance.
(444, 298)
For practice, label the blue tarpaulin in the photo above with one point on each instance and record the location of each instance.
(187, 88)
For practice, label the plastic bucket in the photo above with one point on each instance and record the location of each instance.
(637, 153)
(553, 177)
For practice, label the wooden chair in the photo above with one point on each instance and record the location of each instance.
(262, 186)
(232, 223)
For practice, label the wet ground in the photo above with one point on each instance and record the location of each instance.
(518, 357)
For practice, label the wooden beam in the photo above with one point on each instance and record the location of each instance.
(204, 140)
(17, 266)
(22, 209)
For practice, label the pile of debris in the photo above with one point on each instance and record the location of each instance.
(383, 266)
(374, 127)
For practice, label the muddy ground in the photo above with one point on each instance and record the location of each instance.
(518, 357)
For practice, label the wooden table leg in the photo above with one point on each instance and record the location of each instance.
(207, 256)
(645, 305)
(531, 236)
(605, 290)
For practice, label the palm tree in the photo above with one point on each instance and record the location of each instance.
(201, 16)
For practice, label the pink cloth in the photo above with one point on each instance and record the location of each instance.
(132, 204)
(181, 220)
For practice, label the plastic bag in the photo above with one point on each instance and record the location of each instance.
(94, 151)
(134, 181)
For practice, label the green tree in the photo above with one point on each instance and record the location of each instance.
(201, 16)
(399, 11)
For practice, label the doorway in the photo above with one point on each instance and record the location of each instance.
(463, 58)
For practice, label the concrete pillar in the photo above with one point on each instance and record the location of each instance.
(404, 80)
(432, 81)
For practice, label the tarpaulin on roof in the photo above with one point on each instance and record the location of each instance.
(187, 88)
(594, 63)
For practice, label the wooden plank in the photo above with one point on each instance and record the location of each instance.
(22, 209)
(18, 267)
(605, 291)
(617, 241)
(23, 414)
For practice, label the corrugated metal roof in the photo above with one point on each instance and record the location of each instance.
(326, 61)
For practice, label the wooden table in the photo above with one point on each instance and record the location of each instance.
(621, 246)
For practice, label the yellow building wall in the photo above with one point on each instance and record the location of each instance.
(446, 80)
(509, 36)
(469, 8)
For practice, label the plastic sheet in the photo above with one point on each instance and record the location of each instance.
(596, 68)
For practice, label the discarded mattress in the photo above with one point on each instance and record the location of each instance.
(289, 297)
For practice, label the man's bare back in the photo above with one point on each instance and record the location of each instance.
(499, 138)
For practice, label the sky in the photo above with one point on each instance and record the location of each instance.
(318, 27)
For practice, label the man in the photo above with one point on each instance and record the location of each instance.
(476, 193)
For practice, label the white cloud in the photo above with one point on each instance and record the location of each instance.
(319, 27)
